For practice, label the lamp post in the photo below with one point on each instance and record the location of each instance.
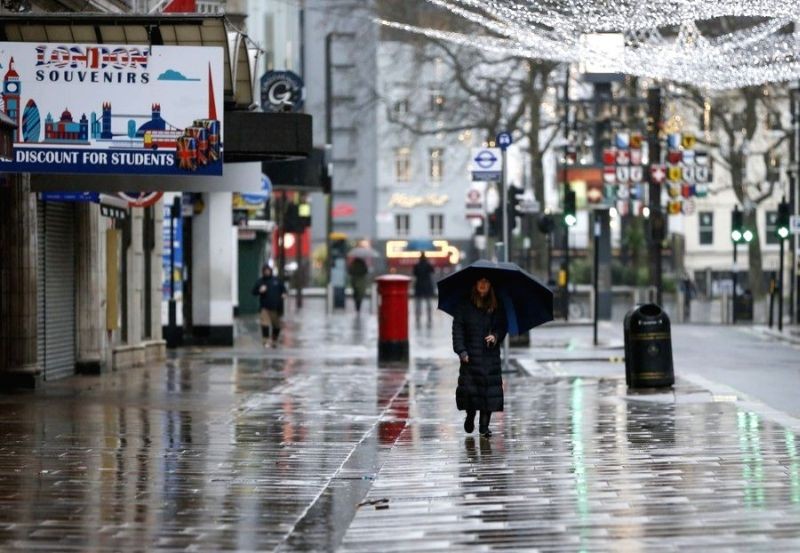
(329, 38)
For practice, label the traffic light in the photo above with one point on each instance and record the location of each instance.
(546, 224)
(782, 224)
(496, 222)
(569, 208)
(737, 225)
(297, 217)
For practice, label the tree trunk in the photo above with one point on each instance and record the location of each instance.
(538, 239)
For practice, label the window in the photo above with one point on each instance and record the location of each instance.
(436, 164)
(437, 101)
(436, 222)
(772, 221)
(401, 107)
(706, 228)
(402, 164)
(402, 222)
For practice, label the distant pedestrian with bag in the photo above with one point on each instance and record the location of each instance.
(423, 287)
(271, 293)
(359, 280)
(479, 327)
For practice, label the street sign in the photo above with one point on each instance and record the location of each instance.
(658, 173)
(794, 224)
(504, 140)
(528, 206)
(474, 199)
(486, 164)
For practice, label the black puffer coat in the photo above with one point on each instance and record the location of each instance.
(480, 384)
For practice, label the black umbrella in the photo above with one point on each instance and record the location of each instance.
(527, 302)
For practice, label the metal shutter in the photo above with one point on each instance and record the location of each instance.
(56, 282)
(40, 268)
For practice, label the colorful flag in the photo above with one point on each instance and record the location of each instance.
(636, 140)
(674, 173)
(637, 173)
(702, 174)
(674, 141)
(623, 174)
(610, 175)
(688, 173)
(623, 157)
(623, 140)
(609, 156)
(674, 156)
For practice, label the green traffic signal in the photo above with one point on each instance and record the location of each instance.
(569, 208)
(782, 223)
(737, 227)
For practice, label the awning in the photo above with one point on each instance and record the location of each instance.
(162, 29)
(310, 174)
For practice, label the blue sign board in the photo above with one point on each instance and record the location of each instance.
(282, 91)
(177, 244)
(486, 164)
(70, 196)
(504, 140)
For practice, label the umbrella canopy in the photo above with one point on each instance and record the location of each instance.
(362, 252)
(527, 302)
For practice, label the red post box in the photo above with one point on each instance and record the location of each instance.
(393, 317)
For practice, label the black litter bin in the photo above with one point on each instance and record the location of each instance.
(648, 348)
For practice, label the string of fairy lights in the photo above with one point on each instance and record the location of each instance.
(660, 39)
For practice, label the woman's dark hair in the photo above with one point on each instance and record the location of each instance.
(487, 303)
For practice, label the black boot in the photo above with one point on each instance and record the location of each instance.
(469, 422)
(275, 333)
(483, 424)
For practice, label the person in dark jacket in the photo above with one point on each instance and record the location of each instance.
(271, 293)
(423, 286)
(479, 328)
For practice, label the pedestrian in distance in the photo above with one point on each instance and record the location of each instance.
(271, 292)
(479, 327)
(359, 280)
(423, 287)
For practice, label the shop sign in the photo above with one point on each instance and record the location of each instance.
(113, 109)
(282, 91)
(409, 201)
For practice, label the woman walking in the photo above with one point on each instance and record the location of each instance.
(479, 327)
(271, 292)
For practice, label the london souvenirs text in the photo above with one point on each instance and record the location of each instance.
(179, 132)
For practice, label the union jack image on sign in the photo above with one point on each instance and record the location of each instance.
(113, 109)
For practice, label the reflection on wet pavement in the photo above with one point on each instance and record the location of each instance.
(312, 447)
(214, 450)
(576, 465)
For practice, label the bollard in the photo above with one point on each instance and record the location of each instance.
(648, 348)
(393, 317)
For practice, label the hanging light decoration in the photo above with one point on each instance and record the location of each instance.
(662, 38)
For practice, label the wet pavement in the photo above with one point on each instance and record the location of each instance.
(313, 447)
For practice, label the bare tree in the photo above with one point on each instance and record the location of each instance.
(482, 91)
(744, 145)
